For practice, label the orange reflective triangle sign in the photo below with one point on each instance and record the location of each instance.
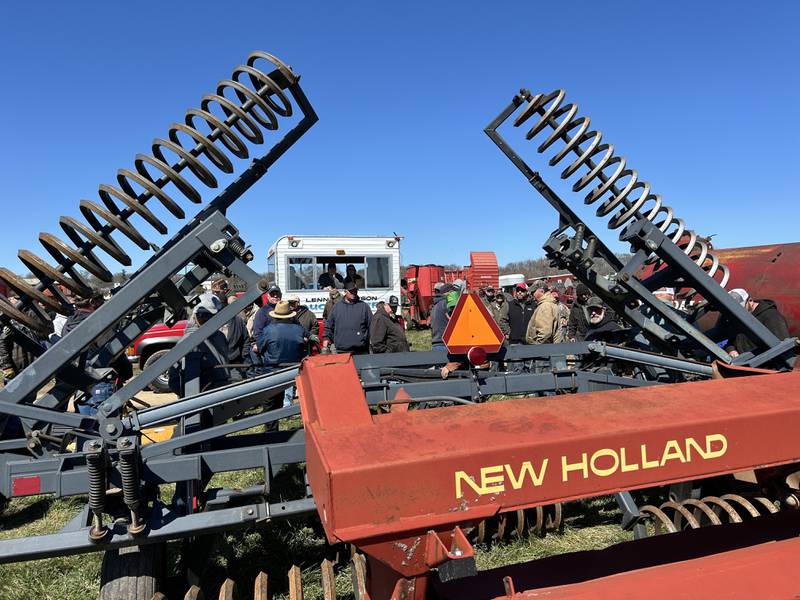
(472, 325)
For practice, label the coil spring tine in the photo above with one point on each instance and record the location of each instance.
(681, 513)
(108, 193)
(24, 289)
(262, 101)
(771, 508)
(661, 519)
(44, 271)
(124, 178)
(56, 247)
(7, 308)
(569, 110)
(480, 537)
(214, 154)
(721, 505)
(89, 209)
(229, 139)
(624, 215)
(74, 229)
(502, 523)
(192, 162)
(743, 502)
(520, 526)
(538, 522)
(610, 171)
(245, 125)
(178, 180)
(267, 88)
(554, 517)
(268, 121)
(702, 507)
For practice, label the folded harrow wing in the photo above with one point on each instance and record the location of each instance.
(46, 448)
(677, 257)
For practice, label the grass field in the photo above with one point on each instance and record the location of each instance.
(273, 549)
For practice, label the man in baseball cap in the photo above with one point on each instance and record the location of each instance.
(263, 317)
(347, 326)
(386, 333)
(520, 311)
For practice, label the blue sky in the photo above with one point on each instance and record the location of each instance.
(699, 97)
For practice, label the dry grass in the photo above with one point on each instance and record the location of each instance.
(274, 548)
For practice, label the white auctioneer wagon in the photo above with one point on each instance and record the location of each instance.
(299, 264)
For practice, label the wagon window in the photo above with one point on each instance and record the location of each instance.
(302, 273)
(378, 273)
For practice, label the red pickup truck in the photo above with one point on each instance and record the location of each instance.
(152, 345)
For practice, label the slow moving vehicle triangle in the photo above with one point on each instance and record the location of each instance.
(472, 326)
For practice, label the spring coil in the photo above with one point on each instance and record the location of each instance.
(711, 510)
(250, 101)
(129, 470)
(95, 463)
(618, 186)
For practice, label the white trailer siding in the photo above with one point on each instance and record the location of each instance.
(298, 261)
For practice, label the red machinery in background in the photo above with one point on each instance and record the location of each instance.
(768, 272)
(482, 271)
(420, 281)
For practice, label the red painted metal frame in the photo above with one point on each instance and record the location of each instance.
(381, 482)
(760, 571)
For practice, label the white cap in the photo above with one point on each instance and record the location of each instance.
(208, 302)
(740, 295)
(293, 298)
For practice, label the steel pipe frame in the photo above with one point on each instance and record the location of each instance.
(65, 475)
(163, 524)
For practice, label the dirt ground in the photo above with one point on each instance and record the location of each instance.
(154, 399)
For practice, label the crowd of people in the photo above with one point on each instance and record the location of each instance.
(279, 331)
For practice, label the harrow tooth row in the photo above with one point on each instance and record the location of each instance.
(230, 591)
(518, 524)
(711, 510)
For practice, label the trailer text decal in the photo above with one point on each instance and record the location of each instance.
(601, 463)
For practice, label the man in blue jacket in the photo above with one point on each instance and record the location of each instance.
(283, 342)
(348, 323)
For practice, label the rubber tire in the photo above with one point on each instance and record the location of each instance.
(133, 573)
(160, 385)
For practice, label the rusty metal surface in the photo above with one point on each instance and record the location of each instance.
(377, 481)
(768, 272)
